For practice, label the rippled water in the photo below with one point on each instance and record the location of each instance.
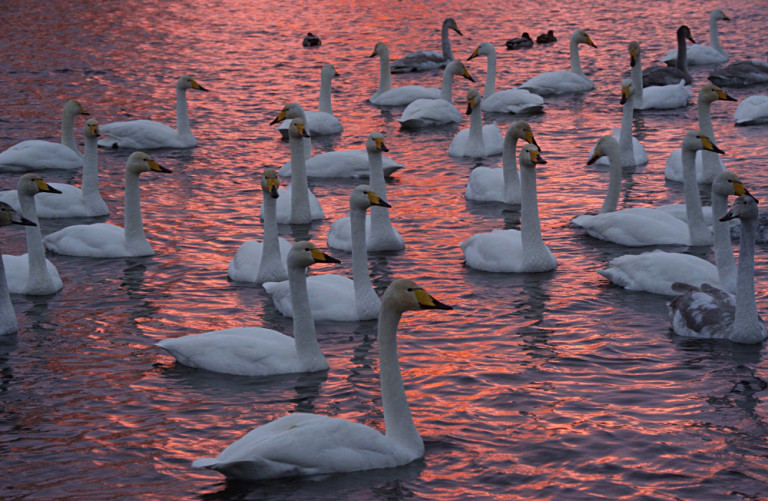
(545, 386)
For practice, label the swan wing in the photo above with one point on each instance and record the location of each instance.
(38, 154)
(142, 135)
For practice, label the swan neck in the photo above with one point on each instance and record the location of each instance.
(182, 118)
(90, 186)
(509, 169)
(134, 227)
(490, 77)
(625, 139)
(714, 35)
(530, 226)
(611, 201)
(324, 104)
(270, 251)
(360, 275)
(697, 228)
(636, 75)
(300, 212)
(38, 271)
(476, 131)
(682, 53)
(8, 324)
(747, 327)
(446, 91)
(305, 337)
(575, 58)
(724, 258)
(445, 43)
(385, 77)
(68, 132)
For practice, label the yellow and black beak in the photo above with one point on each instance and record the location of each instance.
(376, 200)
(197, 86)
(474, 54)
(536, 157)
(157, 167)
(45, 187)
(709, 145)
(321, 257)
(624, 94)
(427, 302)
(380, 144)
(280, 117)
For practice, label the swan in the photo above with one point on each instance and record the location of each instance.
(263, 261)
(708, 312)
(8, 325)
(69, 200)
(32, 273)
(704, 54)
(493, 184)
(752, 110)
(290, 111)
(516, 251)
(311, 40)
(148, 134)
(381, 235)
(660, 97)
(431, 112)
(564, 82)
(102, 240)
(548, 37)
(668, 75)
(387, 95)
(741, 74)
(422, 60)
(331, 295)
(258, 351)
(304, 207)
(321, 122)
(504, 101)
(708, 164)
(479, 141)
(641, 226)
(657, 271)
(38, 154)
(632, 152)
(522, 42)
(302, 444)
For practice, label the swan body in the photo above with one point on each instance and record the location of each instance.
(741, 74)
(36, 154)
(380, 234)
(331, 295)
(501, 184)
(515, 251)
(709, 312)
(661, 97)
(564, 82)
(321, 122)
(752, 110)
(632, 152)
(148, 134)
(102, 240)
(422, 60)
(257, 351)
(302, 444)
(708, 164)
(516, 101)
(32, 273)
(386, 95)
(704, 54)
(669, 75)
(264, 261)
(8, 324)
(479, 141)
(434, 112)
(522, 42)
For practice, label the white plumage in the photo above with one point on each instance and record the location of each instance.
(479, 141)
(434, 112)
(564, 82)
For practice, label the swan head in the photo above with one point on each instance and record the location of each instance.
(530, 156)
(710, 93)
(696, 140)
(728, 183)
(626, 91)
(187, 82)
(634, 53)
(380, 50)
(580, 36)
(405, 295)
(450, 23)
(9, 216)
(31, 184)
(270, 182)
(328, 71)
(375, 143)
(607, 146)
(744, 208)
(456, 67)
(73, 107)
(140, 162)
(473, 100)
(298, 128)
(684, 33)
(91, 129)
(485, 49)
(719, 15)
(363, 197)
(305, 253)
(290, 110)
(521, 130)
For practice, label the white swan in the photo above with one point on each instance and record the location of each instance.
(752, 110)
(741, 74)
(669, 75)
(380, 234)
(515, 101)
(8, 324)
(258, 351)
(148, 134)
(708, 312)
(422, 60)
(479, 141)
(37, 154)
(657, 271)
(104, 240)
(708, 164)
(69, 200)
(386, 95)
(32, 273)
(564, 82)
(659, 97)
(321, 122)
(494, 184)
(704, 54)
(263, 261)
(301, 444)
(432, 112)
(516, 251)
(632, 151)
(331, 295)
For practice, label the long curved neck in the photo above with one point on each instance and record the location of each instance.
(724, 258)
(714, 35)
(385, 78)
(625, 139)
(68, 132)
(611, 201)
(300, 212)
(38, 271)
(360, 275)
(682, 53)
(8, 324)
(697, 228)
(182, 118)
(490, 77)
(90, 187)
(530, 226)
(636, 74)
(476, 130)
(305, 337)
(134, 227)
(380, 222)
(445, 43)
(710, 159)
(270, 251)
(575, 59)
(509, 169)
(747, 327)
(446, 92)
(325, 93)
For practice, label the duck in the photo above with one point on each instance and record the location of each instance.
(669, 75)
(381, 235)
(515, 101)
(68, 200)
(32, 273)
(494, 184)
(103, 240)
(436, 112)
(522, 42)
(258, 351)
(708, 312)
(148, 134)
(708, 164)
(264, 261)
(37, 154)
(632, 151)
(515, 251)
(741, 74)
(8, 323)
(659, 97)
(479, 141)
(564, 82)
(386, 95)
(423, 60)
(331, 295)
(548, 37)
(752, 110)
(311, 40)
(321, 122)
(302, 444)
(703, 54)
